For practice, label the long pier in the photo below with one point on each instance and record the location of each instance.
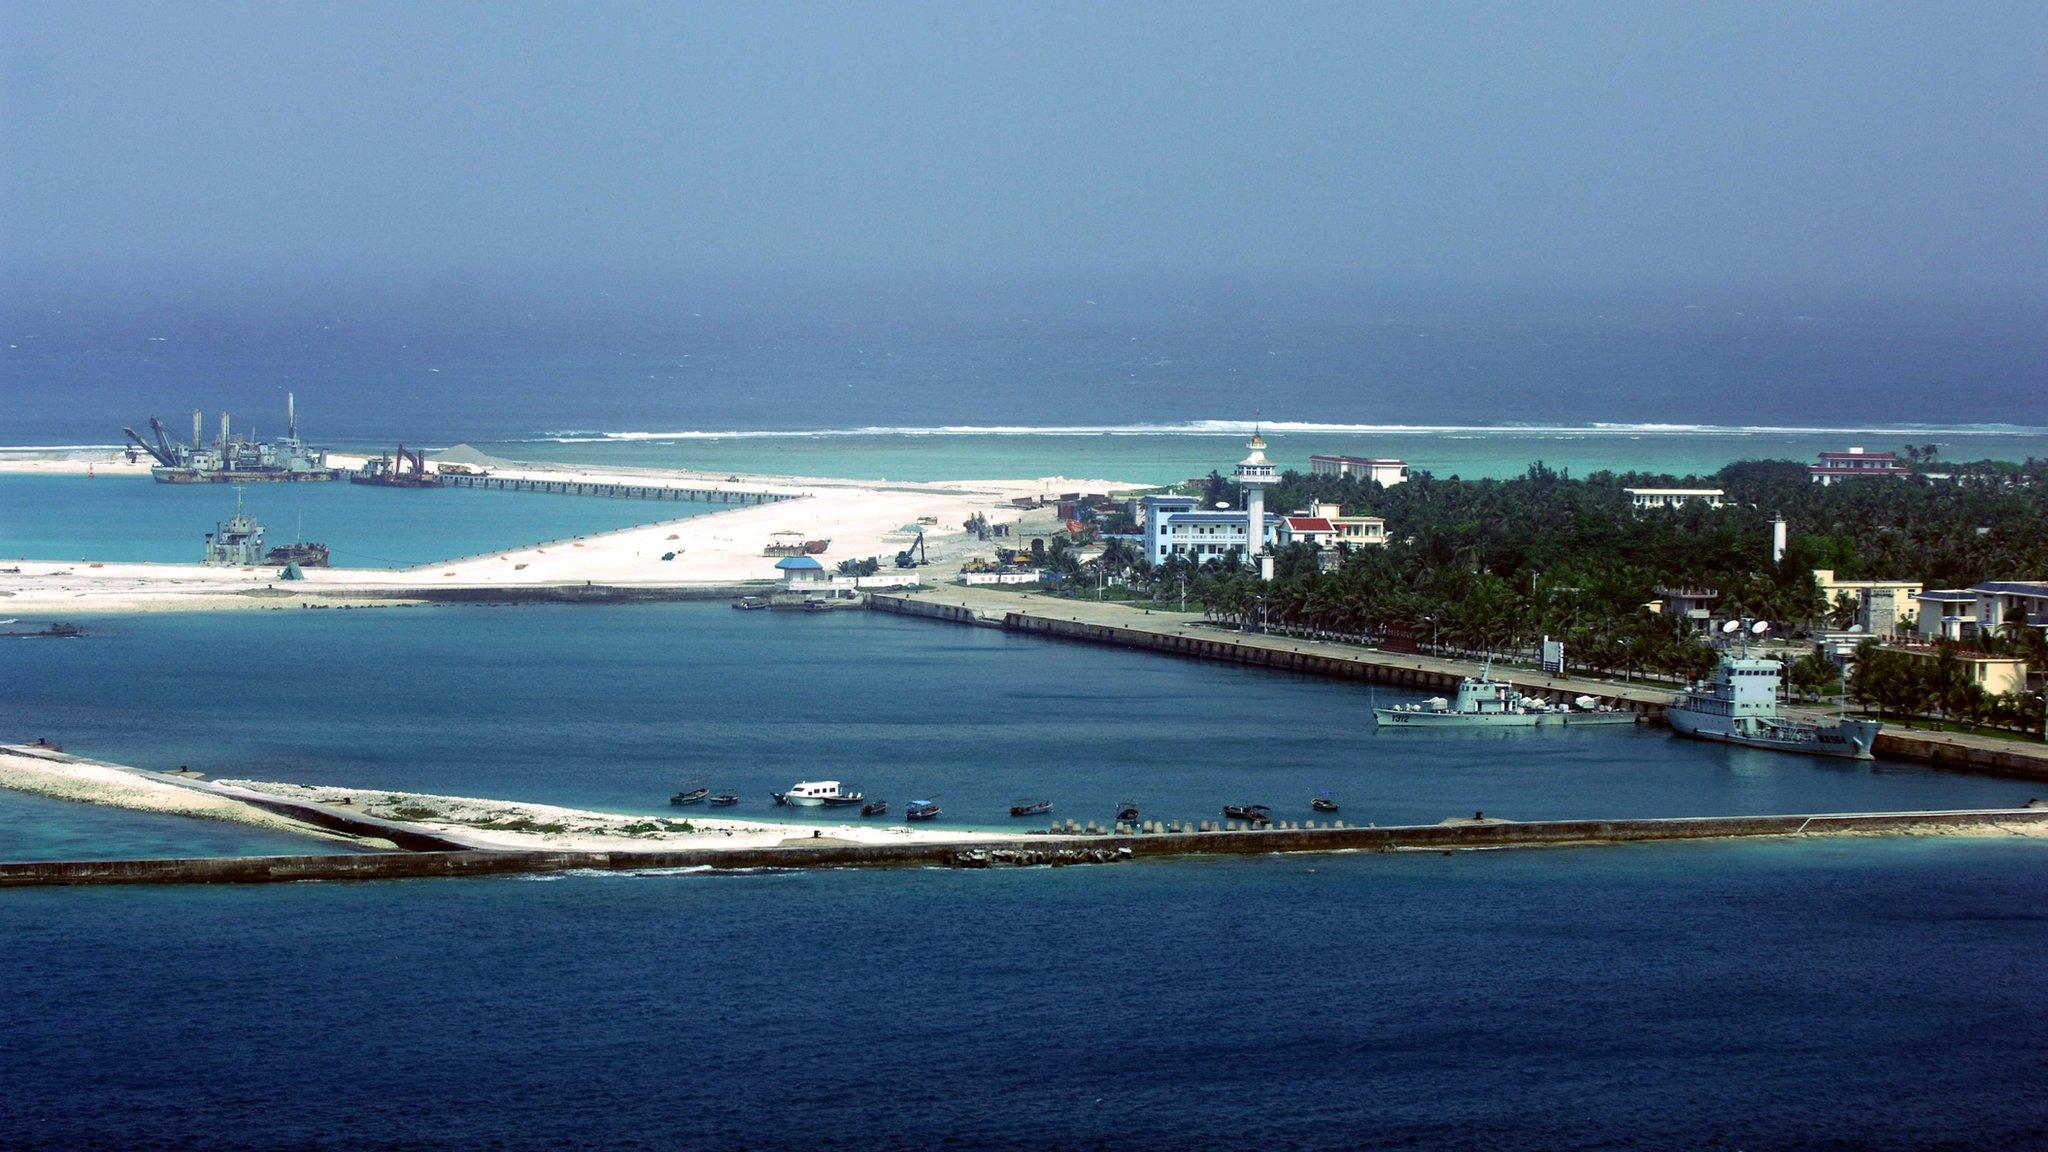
(614, 491)
(1050, 850)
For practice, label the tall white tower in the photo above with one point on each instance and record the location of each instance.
(1778, 538)
(1255, 474)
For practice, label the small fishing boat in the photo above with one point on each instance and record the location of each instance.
(875, 807)
(1030, 807)
(723, 800)
(1324, 802)
(922, 810)
(691, 796)
(1255, 813)
(1127, 811)
(750, 603)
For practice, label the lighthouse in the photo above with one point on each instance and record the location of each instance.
(1254, 474)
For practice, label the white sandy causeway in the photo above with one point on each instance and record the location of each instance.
(861, 519)
(117, 787)
(510, 824)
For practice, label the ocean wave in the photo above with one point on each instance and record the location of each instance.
(1290, 427)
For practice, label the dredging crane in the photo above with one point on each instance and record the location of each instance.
(229, 459)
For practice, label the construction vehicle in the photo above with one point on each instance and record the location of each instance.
(408, 470)
(230, 459)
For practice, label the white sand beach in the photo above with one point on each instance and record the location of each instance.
(860, 518)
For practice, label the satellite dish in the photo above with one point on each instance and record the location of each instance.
(1760, 627)
(1732, 626)
(1853, 628)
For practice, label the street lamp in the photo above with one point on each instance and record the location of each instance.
(1434, 649)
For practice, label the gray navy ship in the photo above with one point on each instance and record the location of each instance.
(1738, 704)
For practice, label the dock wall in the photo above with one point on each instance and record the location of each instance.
(1395, 669)
(1054, 850)
(1352, 664)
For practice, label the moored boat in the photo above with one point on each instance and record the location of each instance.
(723, 800)
(875, 807)
(1030, 807)
(1482, 702)
(690, 796)
(1738, 704)
(1256, 813)
(750, 603)
(1127, 811)
(1324, 801)
(921, 810)
(818, 794)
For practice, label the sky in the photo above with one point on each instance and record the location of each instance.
(1893, 149)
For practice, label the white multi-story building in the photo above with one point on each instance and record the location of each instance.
(1961, 613)
(1643, 498)
(1175, 524)
(1384, 472)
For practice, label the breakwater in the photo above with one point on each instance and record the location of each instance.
(704, 495)
(1051, 850)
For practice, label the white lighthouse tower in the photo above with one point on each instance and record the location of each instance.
(1255, 474)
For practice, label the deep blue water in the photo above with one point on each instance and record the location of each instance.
(125, 518)
(1874, 994)
(1058, 354)
(615, 707)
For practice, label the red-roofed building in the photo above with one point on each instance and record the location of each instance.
(1323, 526)
(1855, 464)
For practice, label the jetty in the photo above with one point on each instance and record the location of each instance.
(699, 494)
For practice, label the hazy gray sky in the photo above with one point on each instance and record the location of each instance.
(1887, 147)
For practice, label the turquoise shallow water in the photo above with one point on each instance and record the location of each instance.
(123, 518)
(1158, 458)
(40, 828)
(616, 707)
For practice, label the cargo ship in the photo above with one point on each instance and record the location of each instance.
(229, 459)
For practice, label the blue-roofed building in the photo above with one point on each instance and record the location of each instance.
(802, 571)
(1994, 605)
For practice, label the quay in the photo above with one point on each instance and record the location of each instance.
(1177, 634)
(702, 495)
(1050, 850)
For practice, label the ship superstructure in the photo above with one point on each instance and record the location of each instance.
(229, 459)
(1738, 704)
(236, 544)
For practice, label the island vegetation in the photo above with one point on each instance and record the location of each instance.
(1489, 566)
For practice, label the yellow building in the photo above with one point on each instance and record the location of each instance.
(1996, 675)
(1883, 607)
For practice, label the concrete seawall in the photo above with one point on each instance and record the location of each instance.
(1306, 657)
(1999, 757)
(1054, 850)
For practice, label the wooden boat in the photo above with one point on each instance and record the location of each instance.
(1127, 812)
(724, 800)
(692, 796)
(1255, 813)
(875, 807)
(1324, 802)
(750, 603)
(922, 810)
(1030, 807)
